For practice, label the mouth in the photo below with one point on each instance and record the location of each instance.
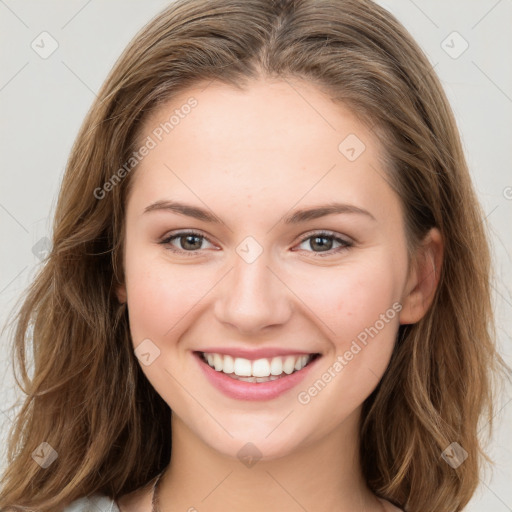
(259, 370)
(255, 379)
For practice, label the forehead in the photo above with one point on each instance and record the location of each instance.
(266, 114)
(285, 139)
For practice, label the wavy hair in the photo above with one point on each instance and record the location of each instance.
(88, 397)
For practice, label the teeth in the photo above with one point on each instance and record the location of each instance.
(228, 366)
(289, 364)
(217, 362)
(301, 362)
(242, 367)
(255, 379)
(260, 370)
(276, 366)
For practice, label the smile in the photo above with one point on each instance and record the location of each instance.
(260, 370)
(255, 379)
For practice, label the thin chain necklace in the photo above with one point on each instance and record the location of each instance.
(154, 496)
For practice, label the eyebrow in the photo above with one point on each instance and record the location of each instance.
(296, 217)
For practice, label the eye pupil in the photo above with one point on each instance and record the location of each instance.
(322, 246)
(188, 238)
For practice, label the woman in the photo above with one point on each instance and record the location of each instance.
(266, 243)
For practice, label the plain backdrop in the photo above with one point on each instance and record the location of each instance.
(56, 54)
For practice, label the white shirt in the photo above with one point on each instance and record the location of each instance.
(94, 503)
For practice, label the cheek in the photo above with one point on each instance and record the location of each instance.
(160, 296)
(351, 297)
(370, 294)
(361, 309)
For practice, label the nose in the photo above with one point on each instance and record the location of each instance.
(253, 297)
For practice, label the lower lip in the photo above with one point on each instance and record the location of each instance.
(241, 390)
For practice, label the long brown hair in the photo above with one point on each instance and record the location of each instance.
(88, 398)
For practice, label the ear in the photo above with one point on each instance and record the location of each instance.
(423, 278)
(121, 293)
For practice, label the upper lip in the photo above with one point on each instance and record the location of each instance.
(255, 353)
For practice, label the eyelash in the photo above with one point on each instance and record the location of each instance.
(346, 244)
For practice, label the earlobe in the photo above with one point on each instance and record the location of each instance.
(121, 293)
(423, 279)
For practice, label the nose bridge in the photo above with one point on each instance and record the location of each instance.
(252, 296)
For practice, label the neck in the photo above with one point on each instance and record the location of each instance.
(323, 475)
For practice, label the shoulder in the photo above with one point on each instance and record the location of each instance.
(94, 503)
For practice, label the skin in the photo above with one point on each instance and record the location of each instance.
(251, 157)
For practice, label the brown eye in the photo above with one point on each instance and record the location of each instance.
(187, 241)
(323, 242)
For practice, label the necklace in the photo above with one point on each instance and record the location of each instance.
(154, 498)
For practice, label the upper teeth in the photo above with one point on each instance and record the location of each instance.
(258, 368)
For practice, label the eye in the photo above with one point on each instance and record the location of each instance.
(189, 241)
(324, 240)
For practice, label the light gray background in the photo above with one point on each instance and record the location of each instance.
(44, 100)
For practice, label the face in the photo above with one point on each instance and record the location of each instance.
(258, 279)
